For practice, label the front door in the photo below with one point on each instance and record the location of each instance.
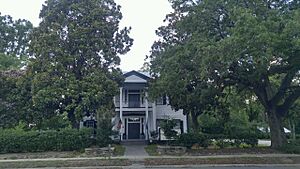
(134, 100)
(133, 130)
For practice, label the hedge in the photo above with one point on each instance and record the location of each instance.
(15, 141)
(221, 140)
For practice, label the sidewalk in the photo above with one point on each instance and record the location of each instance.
(154, 161)
(138, 157)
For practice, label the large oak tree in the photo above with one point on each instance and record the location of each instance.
(253, 45)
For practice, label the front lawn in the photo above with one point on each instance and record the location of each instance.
(65, 163)
(151, 149)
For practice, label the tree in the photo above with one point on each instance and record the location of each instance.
(14, 41)
(76, 56)
(253, 45)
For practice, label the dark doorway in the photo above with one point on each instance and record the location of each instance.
(134, 100)
(133, 130)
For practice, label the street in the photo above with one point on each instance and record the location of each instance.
(234, 167)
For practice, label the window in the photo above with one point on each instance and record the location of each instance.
(90, 124)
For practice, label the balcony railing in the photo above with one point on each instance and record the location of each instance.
(134, 104)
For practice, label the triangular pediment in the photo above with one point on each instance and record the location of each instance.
(135, 77)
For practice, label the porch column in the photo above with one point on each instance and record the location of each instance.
(154, 115)
(121, 113)
(185, 123)
(147, 115)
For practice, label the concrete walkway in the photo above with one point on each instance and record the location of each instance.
(135, 149)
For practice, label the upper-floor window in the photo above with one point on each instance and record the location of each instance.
(162, 100)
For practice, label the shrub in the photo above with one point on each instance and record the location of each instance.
(189, 139)
(104, 133)
(15, 141)
(223, 143)
(168, 128)
(292, 147)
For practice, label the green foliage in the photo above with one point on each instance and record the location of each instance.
(16, 99)
(14, 36)
(212, 123)
(168, 127)
(292, 147)
(223, 143)
(190, 139)
(247, 45)
(15, 141)
(14, 42)
(103, 133)
(76, 48)
(54, 123)
(9, 62)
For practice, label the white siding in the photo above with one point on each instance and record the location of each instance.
(134, 79)
(165, 112)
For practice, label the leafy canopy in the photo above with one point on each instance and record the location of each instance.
(251, 45)
(76, 49)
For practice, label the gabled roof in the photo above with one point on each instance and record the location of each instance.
(143, 75)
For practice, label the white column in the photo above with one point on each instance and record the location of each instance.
(147, 115)
(185, 124)
(121, 113)
(154, 115)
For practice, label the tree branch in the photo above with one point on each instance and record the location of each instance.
(289, 101)
(277, 69)
(286, 82)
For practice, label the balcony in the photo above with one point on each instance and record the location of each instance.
(134, 104)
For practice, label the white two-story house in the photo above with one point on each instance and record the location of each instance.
(137, 116)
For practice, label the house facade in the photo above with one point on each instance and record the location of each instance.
(137, 117)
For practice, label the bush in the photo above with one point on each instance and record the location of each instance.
(168, 128)
(292, 147)
(15, 141)
(104, 133)
(223, 143)
(189, 139)
(244, 135)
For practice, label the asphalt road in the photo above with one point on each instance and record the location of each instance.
(235, 167)
(178, 167)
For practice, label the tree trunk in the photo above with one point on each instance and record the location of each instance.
(294, 130)
(195, 121)
(278, 138)
(73, 120)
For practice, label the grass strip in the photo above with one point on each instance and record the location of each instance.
(230, 160)
(65, 163)
(151, 150)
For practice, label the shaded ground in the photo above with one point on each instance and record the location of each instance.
(231, 151)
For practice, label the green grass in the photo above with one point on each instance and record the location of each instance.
(65, 163)
(151, 149)
(119, 150)
(222, 160)
(33, 155)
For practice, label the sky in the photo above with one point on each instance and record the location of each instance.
(144, 16)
